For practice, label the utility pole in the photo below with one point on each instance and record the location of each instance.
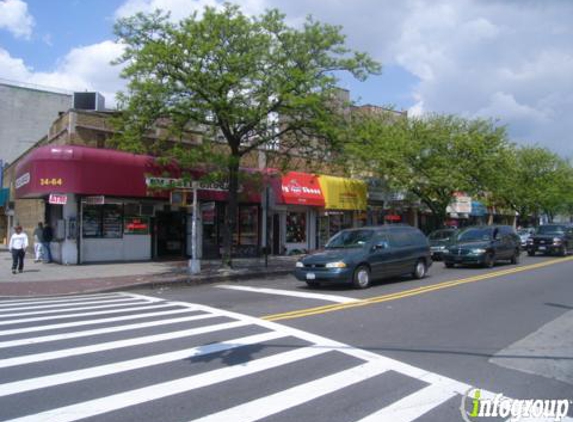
(194, 263)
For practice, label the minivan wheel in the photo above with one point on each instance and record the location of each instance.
(489, 261)
(420, 270)
(361, 279)
(564, 251)
(449, 264)
(530, 253)
(515, 257)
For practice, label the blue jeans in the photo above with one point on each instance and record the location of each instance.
(18, 259)
(47, 251)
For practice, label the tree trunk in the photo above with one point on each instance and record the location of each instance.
(232, 208)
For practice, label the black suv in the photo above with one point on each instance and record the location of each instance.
(358, 256)
(551, 238)
(482, 245)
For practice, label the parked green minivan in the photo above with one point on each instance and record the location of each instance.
(359, 256)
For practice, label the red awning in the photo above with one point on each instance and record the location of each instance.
(300, 189)
(93, 171)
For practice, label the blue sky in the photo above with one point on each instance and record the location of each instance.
(509, 60)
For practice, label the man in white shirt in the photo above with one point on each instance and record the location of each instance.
(18, 245)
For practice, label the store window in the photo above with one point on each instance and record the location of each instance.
(102, 221)
(249, 225)
(296, 227)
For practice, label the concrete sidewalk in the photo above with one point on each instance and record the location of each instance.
(40, 279)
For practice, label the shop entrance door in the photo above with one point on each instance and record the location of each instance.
(170, 234)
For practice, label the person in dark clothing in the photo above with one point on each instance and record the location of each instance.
(18, 245)
(48, 236)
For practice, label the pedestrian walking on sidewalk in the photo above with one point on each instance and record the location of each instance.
(18, 245)
(48, 236)
(38, 240)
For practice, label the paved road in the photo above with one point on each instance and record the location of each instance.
(274, 350)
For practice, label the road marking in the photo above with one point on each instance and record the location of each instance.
(275, 403)
(84, 314)
(109, 304)
(99, 331)
(92, 322)
(118, 344)
(43, 307)
(370, 364)
(317, 296)
(57, 299)
(142, 395)
(408, 293)
(18, 387)
(415, 405)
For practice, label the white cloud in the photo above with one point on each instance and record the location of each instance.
(15, 18)
(83, 68)
(504, 59)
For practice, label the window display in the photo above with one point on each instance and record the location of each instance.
(112, 221)
(249, 225)
(102, 221)
(296, 227)
(91, 221)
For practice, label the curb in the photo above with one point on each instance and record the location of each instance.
(180, 281)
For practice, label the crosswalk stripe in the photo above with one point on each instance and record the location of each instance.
(37, 328)
(22, 386)
(98, 331)
(84, 314)
(42, 307)
(57, 299)
(317, 296)
(100, 347)
(415, 405)
(283, 400)
(109, 304)
(118, 401)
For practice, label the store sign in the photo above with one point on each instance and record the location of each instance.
(136, 225)
(461, 204)
(58, 199)
(22, 180)
(172, 183)
(301, 188)
(95, 200)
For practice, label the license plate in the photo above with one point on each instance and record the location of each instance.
(310, 276)
(542, 248)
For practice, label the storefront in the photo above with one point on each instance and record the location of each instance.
(102, 207)
(298, 197)
(345, 206)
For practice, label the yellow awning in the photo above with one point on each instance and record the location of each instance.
(341, 193)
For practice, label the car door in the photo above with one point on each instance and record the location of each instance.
(404, 244)
(380, 256)
(507, 242)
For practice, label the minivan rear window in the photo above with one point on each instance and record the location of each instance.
(350, 239)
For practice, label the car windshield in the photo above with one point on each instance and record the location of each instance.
(350, 239)
(441, 235)
(551, 230)
(475, 235)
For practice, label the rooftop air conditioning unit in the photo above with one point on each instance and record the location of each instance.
(88, 101)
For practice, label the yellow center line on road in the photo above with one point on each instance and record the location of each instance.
(408, 293)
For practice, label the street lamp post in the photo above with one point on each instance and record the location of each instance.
(194, 263)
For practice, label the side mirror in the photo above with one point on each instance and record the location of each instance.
(380, 245)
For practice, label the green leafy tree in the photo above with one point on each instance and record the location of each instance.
(250, 82)
(540, 182)
(431, 157)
